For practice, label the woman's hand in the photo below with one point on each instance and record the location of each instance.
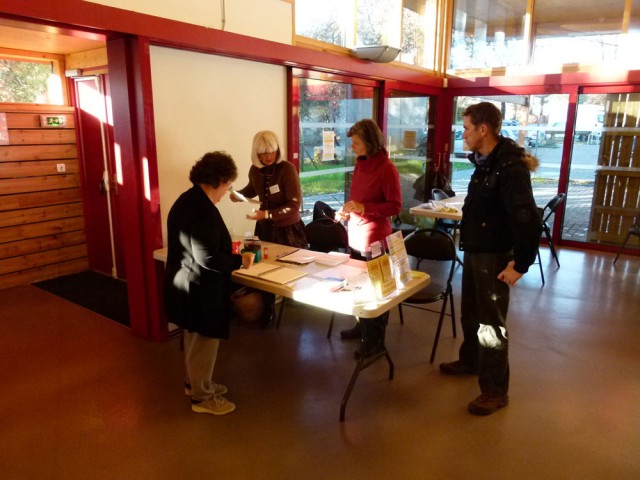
(353, 207)
(257, 215)
(233, 197)
(341, 215)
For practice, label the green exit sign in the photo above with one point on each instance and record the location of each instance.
(53, 120)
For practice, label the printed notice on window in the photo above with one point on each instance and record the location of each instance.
(328, 145)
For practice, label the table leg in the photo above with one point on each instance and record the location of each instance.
(372, 348)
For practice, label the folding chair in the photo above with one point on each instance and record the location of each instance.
(634, 230)
(436, 246)
(545, 213)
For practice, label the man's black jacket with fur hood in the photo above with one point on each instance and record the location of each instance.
(499, 212)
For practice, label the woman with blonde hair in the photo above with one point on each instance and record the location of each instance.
(275, 182)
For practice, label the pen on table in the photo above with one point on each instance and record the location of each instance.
(287, 253)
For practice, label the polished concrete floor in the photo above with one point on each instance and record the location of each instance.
(84, 399)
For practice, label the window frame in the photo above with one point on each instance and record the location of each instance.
(58, 66)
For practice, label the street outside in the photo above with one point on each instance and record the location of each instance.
(544, 180)
(545, 183)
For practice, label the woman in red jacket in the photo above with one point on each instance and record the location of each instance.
(375, 195)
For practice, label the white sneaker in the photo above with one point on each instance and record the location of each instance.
(218, 389)
(216, 406)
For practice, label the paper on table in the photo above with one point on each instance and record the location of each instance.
(298, 257)
(352, 274)
(241, 197)
(332, 258)
(272, 273)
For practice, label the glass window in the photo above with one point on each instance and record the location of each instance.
(590, 34)
(536, 122)
(326, 112)
(26, 81)
(330, 21)
(603, 192)
(409, 25)
(494, 33)
(409, 142)
(488, 33)
(378, 22)
(419, 33)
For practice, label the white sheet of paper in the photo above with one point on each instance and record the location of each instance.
(241, 197)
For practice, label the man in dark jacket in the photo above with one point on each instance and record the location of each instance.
(499, 233)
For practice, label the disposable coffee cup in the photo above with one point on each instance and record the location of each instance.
(247, 259)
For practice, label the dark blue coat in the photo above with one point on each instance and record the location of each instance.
(197, 285)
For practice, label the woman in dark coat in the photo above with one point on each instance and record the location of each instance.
(198, 277)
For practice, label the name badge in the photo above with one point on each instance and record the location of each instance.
(273, 189)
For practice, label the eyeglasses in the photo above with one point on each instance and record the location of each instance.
(229, 188)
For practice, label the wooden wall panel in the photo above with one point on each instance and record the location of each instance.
(38, 184)
(42, 231)
(13, 153)
(36, 168)
(28, 216)
(33, 245)
(38, 199)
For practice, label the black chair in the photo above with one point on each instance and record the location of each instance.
(398, 225)
(323, 210)
(448, 226)
(323, 235)
(438, 247)
(326, 235)
(634, 230)
(545, 214)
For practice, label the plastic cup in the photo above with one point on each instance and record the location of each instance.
(247, 259)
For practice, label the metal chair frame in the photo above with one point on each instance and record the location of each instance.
(634, 230)
(545, 213)
(427, 244)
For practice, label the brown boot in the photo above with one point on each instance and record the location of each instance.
(486, 404)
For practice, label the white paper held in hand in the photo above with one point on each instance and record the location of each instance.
(242, 198)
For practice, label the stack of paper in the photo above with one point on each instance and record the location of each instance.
(332, 258)
(298, 257)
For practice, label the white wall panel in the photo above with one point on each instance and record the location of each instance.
(265, 19)
(207, 102)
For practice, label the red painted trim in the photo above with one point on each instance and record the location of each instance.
(171, 33)
(293, 119)
(549, 81)
(130, 80)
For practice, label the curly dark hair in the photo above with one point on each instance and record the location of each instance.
(213, 169)
(487, 113)
(370, 134)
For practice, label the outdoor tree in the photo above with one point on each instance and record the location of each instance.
(23, 82)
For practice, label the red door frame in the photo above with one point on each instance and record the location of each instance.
(95, 141)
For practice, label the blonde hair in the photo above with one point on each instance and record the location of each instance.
(265, 141)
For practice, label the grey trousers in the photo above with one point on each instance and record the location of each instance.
(200, 355)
